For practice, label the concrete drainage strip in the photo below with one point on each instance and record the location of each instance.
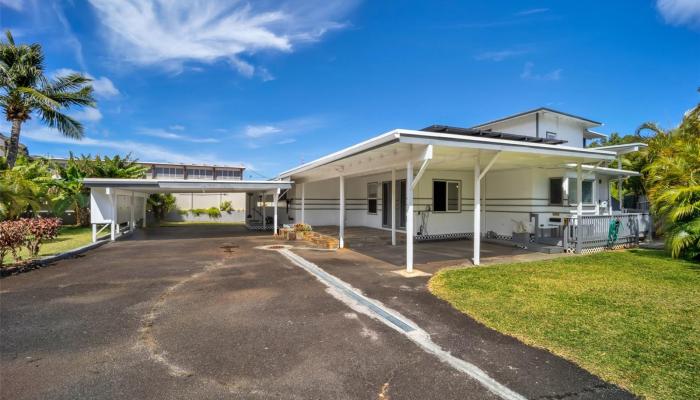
(354, 299)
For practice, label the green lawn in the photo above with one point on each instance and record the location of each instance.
(68, 238)
(631, 317)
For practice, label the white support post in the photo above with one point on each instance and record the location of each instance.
(341, 222)
(113, 203)
(477, 210)
(619, 182)
(264, 207)
(94, 233)
(277, 195)
(409, 217)
(610, 210)
(579, 191)
(132, 216)
(483, 204)
(393, 207)
(303, 203)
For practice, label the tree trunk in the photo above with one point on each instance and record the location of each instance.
(13, 148)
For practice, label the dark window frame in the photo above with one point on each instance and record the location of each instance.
(446, 206)
(373, 202)
(561, 191)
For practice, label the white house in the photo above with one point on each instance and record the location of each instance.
(528, 174)
(527, 177)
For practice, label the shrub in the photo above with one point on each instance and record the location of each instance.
(213, 212)
(198, 211)
(12, 235)
(302, 228)
(37, 231)
(226, 206)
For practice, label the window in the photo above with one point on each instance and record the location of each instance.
(169, 172)
(372, 197)
(556, 191)
(228, 174)
(551, 135)
(446, 196)
(199, 173)
(587, 191)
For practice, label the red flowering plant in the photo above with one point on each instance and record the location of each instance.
(12, 234)
(38, 230)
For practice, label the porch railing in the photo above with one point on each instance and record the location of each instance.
(592, 231)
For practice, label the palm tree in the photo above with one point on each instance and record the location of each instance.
(672, 178)
(24, 89)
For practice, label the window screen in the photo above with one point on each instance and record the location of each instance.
(556, 192)
(372, 197)
(587, 191)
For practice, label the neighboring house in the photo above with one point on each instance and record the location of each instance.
(535, 178)
(179, 171)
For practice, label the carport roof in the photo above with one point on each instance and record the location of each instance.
(186, 186)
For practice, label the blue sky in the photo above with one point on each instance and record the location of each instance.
(273, 83)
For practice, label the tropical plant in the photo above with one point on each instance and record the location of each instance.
(114, 167)
(161, 204)
(71, 192)
(213, 212)
(25, 89)
(672, 180)
(39, 230)
(11, 238)
(226, 206)
(24, 189)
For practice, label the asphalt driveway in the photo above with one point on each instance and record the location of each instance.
(199, 312)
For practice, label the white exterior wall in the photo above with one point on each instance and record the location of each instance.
(511, 196)
(565, 128)
(188, 201)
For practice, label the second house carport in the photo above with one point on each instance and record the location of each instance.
(117, 202)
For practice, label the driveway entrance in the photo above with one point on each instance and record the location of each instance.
(199, 312)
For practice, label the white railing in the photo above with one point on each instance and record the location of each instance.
(591, 231)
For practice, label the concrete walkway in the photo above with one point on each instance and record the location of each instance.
(531, 372)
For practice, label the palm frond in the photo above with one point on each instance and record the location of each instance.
(65, 124)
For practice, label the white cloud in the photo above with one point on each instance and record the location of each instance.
(532, 11)
(141, 150)
(13, 4)
(257, 131)
(169, 34)
(102, 86)
(500, 55)
(528, 73)
(176, 128)
(287, 141)
(163, 134)
(290, 126)
(680, 12)
(87, 114)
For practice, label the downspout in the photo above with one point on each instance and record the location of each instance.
(537, 124)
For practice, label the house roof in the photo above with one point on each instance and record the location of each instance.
(542, 109)
(187, 186)
(404, 139)
(149, 163)
(490, 134)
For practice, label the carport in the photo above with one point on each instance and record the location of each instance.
(122, 202)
